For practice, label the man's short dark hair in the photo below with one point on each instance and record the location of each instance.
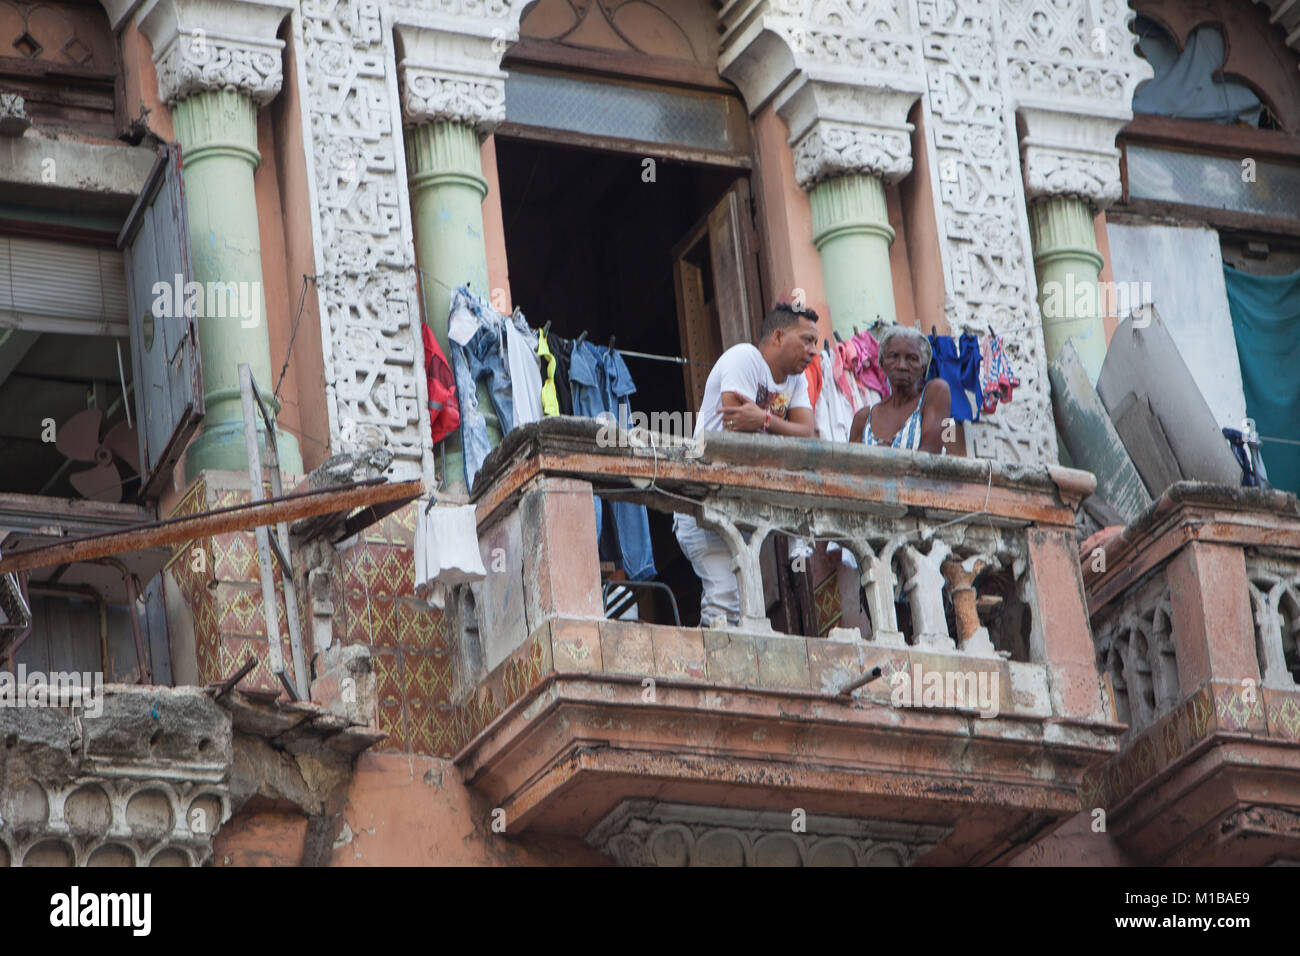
(784, 316)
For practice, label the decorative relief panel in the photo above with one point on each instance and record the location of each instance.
(844, 75)
(1134, 643)
(987, 258)
(367, 290)
(647, 833)
(1275, 609)
(1072, 70)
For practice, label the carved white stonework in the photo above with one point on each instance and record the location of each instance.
(982, 62)
(909, 558)
(140, 778)
(844, 76)
(1071, 71)
(1134, 642)
(837, 129)
(648, 833)
(470, 101)
(215, 45)
(1275, 609)
(361, 214)
(105, 821)
(449, 67)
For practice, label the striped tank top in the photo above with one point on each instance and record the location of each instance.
(908, 437)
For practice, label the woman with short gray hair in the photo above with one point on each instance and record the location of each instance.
(911, 418)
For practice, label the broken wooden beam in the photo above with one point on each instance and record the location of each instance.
(243, 517)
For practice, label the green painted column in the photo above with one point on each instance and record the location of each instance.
(447, 192)
(217, 130)
(1068, 266)
(852, 234)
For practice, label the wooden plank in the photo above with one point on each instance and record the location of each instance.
(221, 521)
(1090, 436)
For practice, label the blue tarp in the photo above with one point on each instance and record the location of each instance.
(1266, 322)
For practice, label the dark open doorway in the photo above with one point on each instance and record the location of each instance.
(591, 246)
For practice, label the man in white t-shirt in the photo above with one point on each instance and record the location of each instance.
(751, 389)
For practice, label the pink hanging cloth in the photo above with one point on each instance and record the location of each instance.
(868, 369)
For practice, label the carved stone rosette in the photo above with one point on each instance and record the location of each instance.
(647, 833)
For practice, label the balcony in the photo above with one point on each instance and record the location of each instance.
(1195, 614)
(662, 744)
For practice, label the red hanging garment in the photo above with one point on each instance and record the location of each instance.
(444, 412)
(813, 375)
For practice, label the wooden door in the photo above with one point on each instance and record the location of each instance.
(715, 272)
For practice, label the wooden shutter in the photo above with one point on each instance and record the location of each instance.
(715, 271)
(164, 347)
(735, 267)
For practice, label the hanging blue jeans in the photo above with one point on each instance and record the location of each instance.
(481, 357)
(601, 383)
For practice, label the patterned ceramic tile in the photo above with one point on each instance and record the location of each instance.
(523, 670)
(1234, 711)
(826, 604)
(444, 724)
(1283, 709)
(419, 725)
(420, 626)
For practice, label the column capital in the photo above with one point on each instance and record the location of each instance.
(1073, 94)
(837, 129)
(843, 85)
(451, 71)
(1067, 153)
(215, 45)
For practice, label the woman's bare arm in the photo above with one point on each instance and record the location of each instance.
(937, 408)
(859, 426)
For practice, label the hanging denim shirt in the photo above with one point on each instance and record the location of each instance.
(482, 356)
(601, 383)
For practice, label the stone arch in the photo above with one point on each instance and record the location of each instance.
(1257, 50)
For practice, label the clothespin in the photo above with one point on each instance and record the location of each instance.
(835, 332)
(611, 343)
(546, 329)
(581, 337)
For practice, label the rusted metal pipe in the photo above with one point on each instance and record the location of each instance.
(862, 681)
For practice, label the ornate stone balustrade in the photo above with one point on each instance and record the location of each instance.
(565, 716)
(1195, 613)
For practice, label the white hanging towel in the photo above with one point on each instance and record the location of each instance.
(446, 550)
